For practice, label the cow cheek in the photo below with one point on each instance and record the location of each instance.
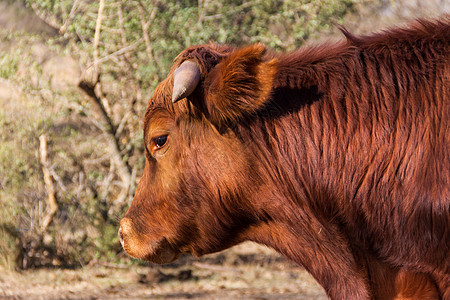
(217, 180)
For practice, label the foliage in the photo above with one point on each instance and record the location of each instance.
(136, 45)
(8, 66)
(174, 25)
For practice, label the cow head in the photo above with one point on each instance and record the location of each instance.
(199, 176)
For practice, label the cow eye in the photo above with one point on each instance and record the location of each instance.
(158, 142)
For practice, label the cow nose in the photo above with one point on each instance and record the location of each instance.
(120, 236)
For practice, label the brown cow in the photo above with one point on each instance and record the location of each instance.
(336, 156)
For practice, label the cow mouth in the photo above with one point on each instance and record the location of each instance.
(159, 252)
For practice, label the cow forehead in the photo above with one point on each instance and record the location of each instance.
(206, 56)
(160, 120)
(162, 95)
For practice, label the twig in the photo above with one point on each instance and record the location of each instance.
(123, 34)
(81, 169)
(200, 12)
(145, 26)
(98, 27)
(106, 185)
(117, 53)
(109, 130)
(58, 180)
(80, 187)
(52, 207)
(80, 37)
(122, 123)
(89, 89)
(213, 17)
(69, 19)
(96, 160)
(111, 30)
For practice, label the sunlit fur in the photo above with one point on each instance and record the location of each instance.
(336, 155)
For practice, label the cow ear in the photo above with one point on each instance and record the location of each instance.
(239, 85)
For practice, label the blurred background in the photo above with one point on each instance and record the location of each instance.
(75, 78)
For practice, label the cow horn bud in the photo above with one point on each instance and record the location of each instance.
(186, 79)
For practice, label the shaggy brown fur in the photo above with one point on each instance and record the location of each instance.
(336, 156)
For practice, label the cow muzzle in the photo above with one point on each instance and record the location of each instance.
(143, 246)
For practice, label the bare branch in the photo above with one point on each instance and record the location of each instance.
(98, 27)
(122, 24)
(122, 123)
(145, 26)
(117, 53)
(106, 185)
(200, 12)
(97, 71)
(109, 130)
(58, 180)
(52, 205)
(69, 19)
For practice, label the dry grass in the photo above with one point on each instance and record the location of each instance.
(247, 271)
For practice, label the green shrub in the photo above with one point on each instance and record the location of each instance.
(8, 65)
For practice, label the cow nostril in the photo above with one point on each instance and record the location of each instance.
(120, 235)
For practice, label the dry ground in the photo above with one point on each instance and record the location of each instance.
(247, 271)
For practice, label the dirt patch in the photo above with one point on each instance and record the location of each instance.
(247, 271)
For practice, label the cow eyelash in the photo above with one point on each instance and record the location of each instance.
(158, 142)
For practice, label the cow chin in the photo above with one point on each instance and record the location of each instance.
(161, 253)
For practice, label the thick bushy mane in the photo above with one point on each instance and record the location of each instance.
(364, 79)
(349, 118)
(355, 124)
(421, 30)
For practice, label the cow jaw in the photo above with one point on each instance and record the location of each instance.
(155, 250)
